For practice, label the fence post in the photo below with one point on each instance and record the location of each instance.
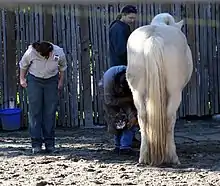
(86, 71)
(48, 23)
(10, 60)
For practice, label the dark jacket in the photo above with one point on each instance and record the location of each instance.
(115, 105)
(118, 36)
(111, 95)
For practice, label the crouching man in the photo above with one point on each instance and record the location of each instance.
(120, 112)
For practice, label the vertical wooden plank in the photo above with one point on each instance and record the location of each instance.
(25, 44)
(57, 25)
(192, 88)
(100, 66)
(111, 13)
(68, 73)
(140, 15)
(32, 28)
(104, 46)
(74, 88)
(41, 17)
(149, 16)
(19, 88)
(145, 14)
(27, 33)
(182, 11)
(157, 8)
(5, 59)
(217, 37)
(23, 48)
(116, 10)
(211, 62)
(84, 33)
(79, 55)
(166, 7)
(92, 58)
(151, 11)
(54, 24)
(215, 25)
(213, 58)
(98, 61)
(214, 50)
(63, 93)
(107, 22)
(47, 22)
(204, 59)
(176, 12)
(1, 66)
(58, 20)
(11, 54)
(36, 20)
(198, 60)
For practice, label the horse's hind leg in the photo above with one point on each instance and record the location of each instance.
(141, 109)
(173, 105)
(143, 148)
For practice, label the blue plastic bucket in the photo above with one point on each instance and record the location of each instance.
(10, 118)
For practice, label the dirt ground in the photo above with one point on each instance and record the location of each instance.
(85, 158)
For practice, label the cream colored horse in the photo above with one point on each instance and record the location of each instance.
(159, 67)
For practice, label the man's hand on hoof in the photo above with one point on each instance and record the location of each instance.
(133, 121)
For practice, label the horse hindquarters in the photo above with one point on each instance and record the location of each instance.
(146, 79)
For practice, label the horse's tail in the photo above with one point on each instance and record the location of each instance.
(156, 103)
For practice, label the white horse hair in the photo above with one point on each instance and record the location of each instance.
(159, 67)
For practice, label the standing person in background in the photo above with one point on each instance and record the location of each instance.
(44, 64)
(119, 31)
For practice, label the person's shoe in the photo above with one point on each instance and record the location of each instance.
(116, 150)
(136, 144)
(128, 152)
(51, 150)
(36, 150)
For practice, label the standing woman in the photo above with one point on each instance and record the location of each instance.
(44, 64)
(119, 32)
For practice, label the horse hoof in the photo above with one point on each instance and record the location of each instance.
(141, 165)
(176, 161)
(142, 161)
(168, 165)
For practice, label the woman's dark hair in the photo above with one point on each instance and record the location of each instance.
(119, 16)
(44, 48)
(128, 9)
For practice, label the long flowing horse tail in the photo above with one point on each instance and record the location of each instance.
(156, 103)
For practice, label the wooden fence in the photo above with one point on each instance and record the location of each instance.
(83, 33)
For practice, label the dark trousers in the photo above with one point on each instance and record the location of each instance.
(43, 100)
(123, 138)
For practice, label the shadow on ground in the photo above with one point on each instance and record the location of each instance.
(198, 145)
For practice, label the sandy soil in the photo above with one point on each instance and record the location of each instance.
(85, 158)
